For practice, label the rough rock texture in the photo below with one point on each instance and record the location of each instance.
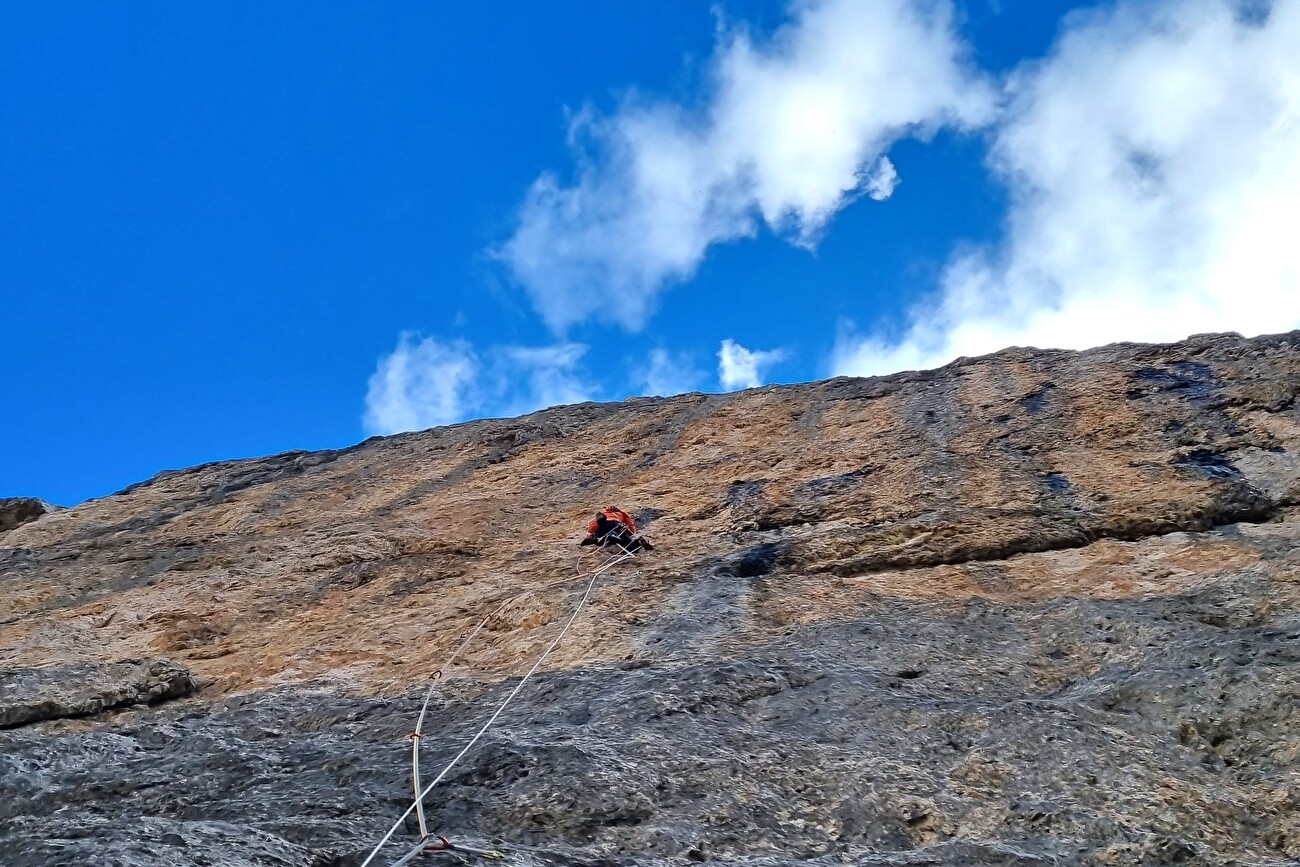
(16, 511)
(85, 689)
(1034, 608)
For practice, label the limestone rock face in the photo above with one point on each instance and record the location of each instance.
(1032, 608)
(85, 689)
(16, 511)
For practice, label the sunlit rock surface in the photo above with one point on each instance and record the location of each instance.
(1033, 608)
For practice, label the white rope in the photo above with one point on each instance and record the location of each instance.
(409, 856)
(438, 675)
(591, 585)
(424, 709)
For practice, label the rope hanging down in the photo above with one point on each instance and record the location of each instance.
(419, 798)
(438, 674)
(424, 709)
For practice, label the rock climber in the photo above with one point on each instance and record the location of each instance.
(613, 526)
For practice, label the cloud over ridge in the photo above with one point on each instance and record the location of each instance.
(739, 367)
(426, 382)
(1153, 161)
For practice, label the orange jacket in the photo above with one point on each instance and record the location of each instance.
(614, 515)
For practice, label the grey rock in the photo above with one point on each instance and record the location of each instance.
(16, 511)
(915, 733)
(29, 695)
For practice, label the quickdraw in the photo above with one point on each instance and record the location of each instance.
(417, 805)
(442, 844)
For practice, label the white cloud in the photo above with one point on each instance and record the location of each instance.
(420, 384)
(739, 367)
(426, 383)
(1153, 162)
(791, 130)
(550, 375)
(882, 180)
(668, 373)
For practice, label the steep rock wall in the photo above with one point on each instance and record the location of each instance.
(1038, 607)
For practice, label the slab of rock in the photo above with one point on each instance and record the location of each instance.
(16, 511)
(30, 695)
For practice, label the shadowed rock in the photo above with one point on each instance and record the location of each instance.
(16, 511)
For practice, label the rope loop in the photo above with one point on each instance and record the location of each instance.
(420, 791)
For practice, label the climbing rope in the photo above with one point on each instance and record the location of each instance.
(437, 675)
(421, 793)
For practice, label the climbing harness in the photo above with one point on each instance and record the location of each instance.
(417, 805)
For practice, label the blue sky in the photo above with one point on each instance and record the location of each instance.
(234, 229)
